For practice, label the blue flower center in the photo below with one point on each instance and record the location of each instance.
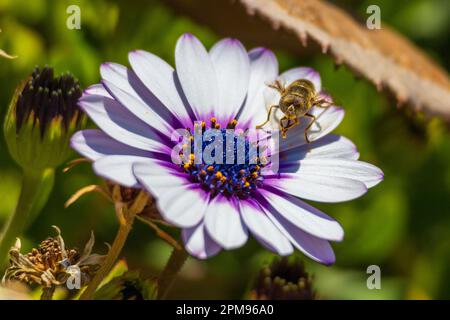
(229, 164)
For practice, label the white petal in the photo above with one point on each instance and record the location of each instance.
(183, 206)
(120, 124)
(119, 169)
(305, 217)
(223, 223)
(160, 177)
(97, 89)
(318, 188)
(94, 144)
(263, 229)
(198, 242)
(310, 74)
(159, 77)
(231, 63)
(197, 76)
(124, 85)
(330, 146)
(177, 202)
(339, 168)
(263, 70)
(315, 248)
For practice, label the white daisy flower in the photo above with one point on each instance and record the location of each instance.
(219, 205)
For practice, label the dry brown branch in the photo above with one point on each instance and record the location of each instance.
(384, 57)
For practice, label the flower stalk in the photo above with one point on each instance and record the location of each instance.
(169, 274)
(126, 216)
(31, 184)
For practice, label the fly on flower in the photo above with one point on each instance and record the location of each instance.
(296, 101)
(218, 205)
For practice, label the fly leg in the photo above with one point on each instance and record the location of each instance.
(314, 119)
(284, 129)
(268, 117)
(277, 85)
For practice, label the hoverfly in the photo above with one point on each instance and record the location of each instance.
(296, 101)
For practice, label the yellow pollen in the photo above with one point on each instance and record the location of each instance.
(203, 172)
(219, 175)
(246, 184)
(255, 175)
(186, 166)
(210, 168)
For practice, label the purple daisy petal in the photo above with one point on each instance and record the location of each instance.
(263, 70)
(303, 216)
(263, 229)
(329, 147)
(160, 176)
(316, 187)
(160, 78)
(127, 89)
(232, 66)
(97, 89)
(339, 168)
(119, 169)
(198, 243)
(121, 125)
(224, 224)
(95, 144)
(315, 248)
(197, 76)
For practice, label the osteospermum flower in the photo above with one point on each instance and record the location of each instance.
(219, 205)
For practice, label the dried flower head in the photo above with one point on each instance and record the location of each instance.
(51, 263)
(43, 114)
(284, 279)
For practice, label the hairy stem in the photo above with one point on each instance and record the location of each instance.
(169, 274)
(26, 205)
(129, 215)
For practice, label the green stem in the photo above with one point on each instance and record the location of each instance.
(17, 222)
(128, 213)
(169, 274)
(108, 263)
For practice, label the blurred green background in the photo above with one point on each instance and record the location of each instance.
(402, 225)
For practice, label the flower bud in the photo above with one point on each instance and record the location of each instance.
(41, 118)
(283, 279)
